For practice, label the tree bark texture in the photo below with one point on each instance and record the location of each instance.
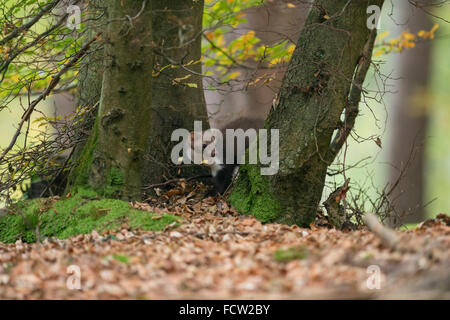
(409, 122)
(333, 52)
(178, 97)
(112, 160)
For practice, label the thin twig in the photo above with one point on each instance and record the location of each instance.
(352, 107)
(47, 8)
(162, 184)
(46, 92)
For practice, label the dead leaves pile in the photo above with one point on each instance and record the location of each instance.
(217, 254)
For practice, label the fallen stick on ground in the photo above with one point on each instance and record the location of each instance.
(388, 236)
(162, 184)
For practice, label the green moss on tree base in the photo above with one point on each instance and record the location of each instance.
(78, 214)
(79, 175)
(251, 195)
(114, 183)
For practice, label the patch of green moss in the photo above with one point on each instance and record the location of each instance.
(290, 254)
(79, 175)
(78, 214)
(409, 226)
(367, 255)
(86, 193)
(22, 223)
(78, 180)
(121, 258)
(145, 220)
(114, 183)
(252, 195)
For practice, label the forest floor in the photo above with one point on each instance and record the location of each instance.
(218, 254)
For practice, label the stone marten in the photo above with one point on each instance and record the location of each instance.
(222, 171)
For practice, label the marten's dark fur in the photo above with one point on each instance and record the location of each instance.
(222, 174)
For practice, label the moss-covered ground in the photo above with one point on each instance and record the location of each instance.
(77, 214)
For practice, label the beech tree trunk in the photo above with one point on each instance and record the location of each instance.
(178, 97)
(409, 122)
(111, 161)
(333, 52)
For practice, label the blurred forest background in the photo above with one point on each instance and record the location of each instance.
(415, 105)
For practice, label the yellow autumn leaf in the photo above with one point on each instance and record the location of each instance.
(178, 80)
(431, 33)
(408, 36)
(192, 62)
(393, 42)
(275, 61)
(248, 36)
(435, 27)
(234, 75)
(291, 49)
(383, 35)
(39, 119)
(409, 44)
(378, 53)
(220, 41)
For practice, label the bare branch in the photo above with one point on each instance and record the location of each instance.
(352, 108)
(46, 92)
(15, 33)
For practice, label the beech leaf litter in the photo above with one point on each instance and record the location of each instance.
(215, 253)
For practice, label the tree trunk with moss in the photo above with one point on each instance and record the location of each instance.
(178, 97)
(111, 161)
(323, 80)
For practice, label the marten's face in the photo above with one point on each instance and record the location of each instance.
(198, 143)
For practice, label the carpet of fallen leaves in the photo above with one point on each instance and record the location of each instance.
(218, 254)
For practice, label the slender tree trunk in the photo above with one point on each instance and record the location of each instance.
(333, 51)
(178, 97)
(111, 161)
(409, 121)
